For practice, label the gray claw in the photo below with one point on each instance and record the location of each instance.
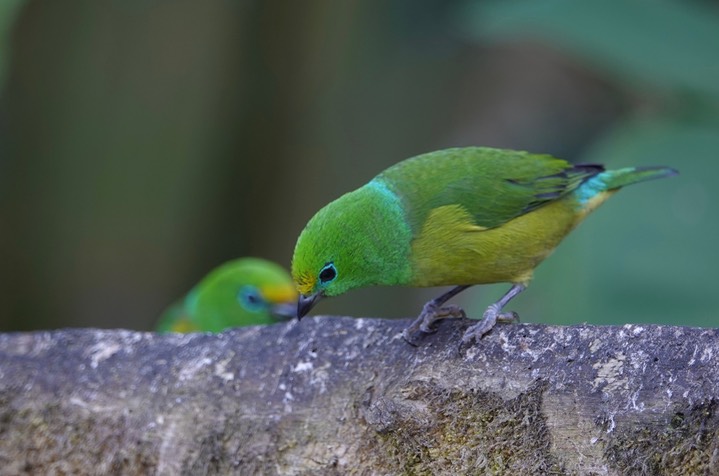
(426, 322)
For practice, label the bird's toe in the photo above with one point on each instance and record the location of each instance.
(508, 317)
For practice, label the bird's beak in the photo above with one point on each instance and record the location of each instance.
(284, 311)
(282, 299)
(305, 303)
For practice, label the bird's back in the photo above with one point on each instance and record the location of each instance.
(493, 186)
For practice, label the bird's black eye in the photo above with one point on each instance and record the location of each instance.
(250, 298)
(328, 273)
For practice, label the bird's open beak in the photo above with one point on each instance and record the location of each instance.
(305, 303)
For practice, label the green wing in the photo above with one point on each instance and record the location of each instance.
(493, 185)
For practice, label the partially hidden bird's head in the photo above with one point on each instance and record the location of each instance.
(361, 239)
(249, 286)
(246, 291)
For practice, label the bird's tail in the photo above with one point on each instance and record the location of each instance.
(594, 191)
(614, 179)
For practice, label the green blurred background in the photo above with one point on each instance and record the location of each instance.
(144, 142)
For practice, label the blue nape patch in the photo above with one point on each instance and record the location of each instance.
(382, 187)
(386, 192)
(590, 189)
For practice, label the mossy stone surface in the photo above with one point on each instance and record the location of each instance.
(348, 396)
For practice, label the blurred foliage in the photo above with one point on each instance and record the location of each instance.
(664, 44)
(651, 259)
(143, 143)
(8, 13)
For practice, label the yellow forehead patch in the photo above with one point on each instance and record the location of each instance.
(306, 284)
(279, 293)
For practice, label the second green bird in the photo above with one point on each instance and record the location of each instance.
(241, 292)
(456, 217)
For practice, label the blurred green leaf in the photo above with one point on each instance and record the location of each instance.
(670, 44)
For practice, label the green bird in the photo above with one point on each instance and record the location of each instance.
(456, 217)
(242, 292)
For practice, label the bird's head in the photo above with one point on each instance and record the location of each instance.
(242, 292)
(356, 241)
(325, 259)
(276, 299)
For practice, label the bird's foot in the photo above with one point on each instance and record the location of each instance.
(489, 319)
(425, 323)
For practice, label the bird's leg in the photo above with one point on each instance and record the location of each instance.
(434, 311)
(492, 315)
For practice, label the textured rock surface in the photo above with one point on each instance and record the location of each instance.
(343, 396)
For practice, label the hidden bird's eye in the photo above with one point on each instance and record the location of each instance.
(328, 273)
(250, 299)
